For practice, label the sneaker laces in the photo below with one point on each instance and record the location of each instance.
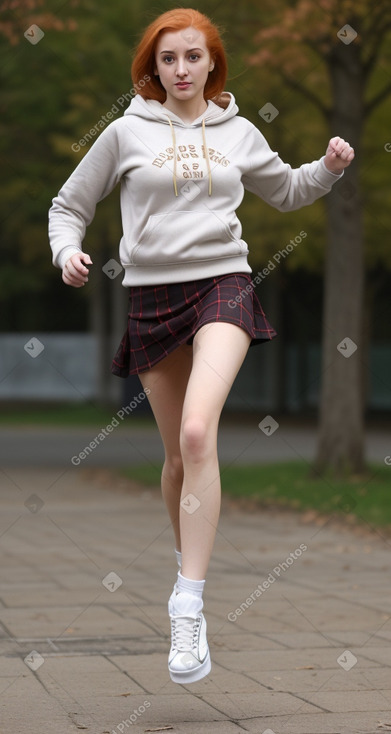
(184, 631)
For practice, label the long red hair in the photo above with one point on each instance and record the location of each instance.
(177, 20)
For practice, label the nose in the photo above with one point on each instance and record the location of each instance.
(181, 69)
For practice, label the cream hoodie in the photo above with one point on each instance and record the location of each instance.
(181, 184)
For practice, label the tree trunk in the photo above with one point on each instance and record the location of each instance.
(341, 434)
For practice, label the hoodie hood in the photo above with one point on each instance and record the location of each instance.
(151, 109)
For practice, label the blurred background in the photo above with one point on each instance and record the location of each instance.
(325, 68)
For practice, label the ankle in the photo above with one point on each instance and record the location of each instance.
(190, 586)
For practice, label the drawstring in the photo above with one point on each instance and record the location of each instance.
(174, 147)
(206, 156)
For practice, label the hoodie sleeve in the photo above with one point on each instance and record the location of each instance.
(74, 207)
(278, 184)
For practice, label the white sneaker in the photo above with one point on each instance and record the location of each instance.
(189, 658)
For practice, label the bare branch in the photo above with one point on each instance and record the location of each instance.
(377, 99)
(311, 96)
(374, 53)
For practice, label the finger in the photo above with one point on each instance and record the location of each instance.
(72, 269)
(343, 150)
(72, 281)
(72, 276)
(347, 154)
(79, 265)
(337, 148)
(337, 143)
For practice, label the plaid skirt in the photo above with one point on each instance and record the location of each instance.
(162, 317)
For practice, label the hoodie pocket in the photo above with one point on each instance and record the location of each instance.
(186, 236)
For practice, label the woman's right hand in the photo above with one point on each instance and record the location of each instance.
(75, 272)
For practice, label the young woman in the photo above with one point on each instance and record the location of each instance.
(184, 157)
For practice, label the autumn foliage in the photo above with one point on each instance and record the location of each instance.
(18, 15)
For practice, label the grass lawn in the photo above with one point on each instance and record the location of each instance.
(288, 485)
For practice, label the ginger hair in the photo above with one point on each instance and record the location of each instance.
(144, 61)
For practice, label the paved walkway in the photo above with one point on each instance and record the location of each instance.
(298, 617)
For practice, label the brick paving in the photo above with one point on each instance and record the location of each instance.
(87, 566)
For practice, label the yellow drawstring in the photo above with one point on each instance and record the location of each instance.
(174, 147)
(175, 157)
(207, 158)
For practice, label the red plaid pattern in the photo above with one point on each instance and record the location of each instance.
(161, 317)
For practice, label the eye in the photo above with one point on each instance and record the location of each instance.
(194, 56)
(167, 58)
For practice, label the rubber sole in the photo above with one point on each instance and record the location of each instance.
(192, 676)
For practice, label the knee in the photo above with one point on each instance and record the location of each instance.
(195, 441)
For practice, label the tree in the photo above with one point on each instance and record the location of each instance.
(64, 89)
(344, 41)
(19, 15)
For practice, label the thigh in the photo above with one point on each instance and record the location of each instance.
(218, 353)
(167, 382)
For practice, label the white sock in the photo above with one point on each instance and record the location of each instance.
(186, 604)
(190, 586)
(178, 557)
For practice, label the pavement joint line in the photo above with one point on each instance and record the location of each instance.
(108, 657)
(230, 542)
(73, 541)
(72, 698)
(168, 527)
(374, 633)
(52, 644)
(369, 659)
(153, 627)
(338, 597)
(24, 640)
(77, 616)
(305, 617)
(311, 703)
(228, 718)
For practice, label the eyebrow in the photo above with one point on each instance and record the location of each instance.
(189, 49)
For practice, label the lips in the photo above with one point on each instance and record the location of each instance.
(183, 85)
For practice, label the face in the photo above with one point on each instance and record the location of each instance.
(183, 63)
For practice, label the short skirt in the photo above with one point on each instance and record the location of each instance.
(162, 317)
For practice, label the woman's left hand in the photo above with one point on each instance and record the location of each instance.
(339, 155)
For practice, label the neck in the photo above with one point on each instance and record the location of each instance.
(188, 110)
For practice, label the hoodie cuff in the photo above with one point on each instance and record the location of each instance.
(65, 254)
(334, 176)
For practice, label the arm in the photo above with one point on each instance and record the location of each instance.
(288, 188)
(74, 207)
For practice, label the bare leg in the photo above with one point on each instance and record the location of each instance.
(218, 352)
(167, 382)
(188, 391)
